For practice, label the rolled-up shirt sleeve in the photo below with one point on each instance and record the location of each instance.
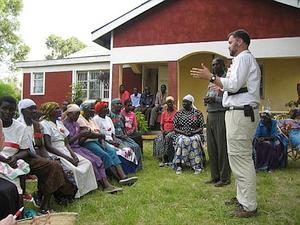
(238, 76)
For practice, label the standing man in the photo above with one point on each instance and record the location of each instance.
(242, 99)
(124, 94)
(216, 131)
(160, 100)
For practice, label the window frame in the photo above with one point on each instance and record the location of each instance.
(32, 83)
(102, 90)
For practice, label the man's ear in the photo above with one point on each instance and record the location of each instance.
(239, 41)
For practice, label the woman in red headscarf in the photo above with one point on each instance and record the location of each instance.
(106, 126)
(94, 141)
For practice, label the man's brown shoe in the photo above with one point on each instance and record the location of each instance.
(222, 183)
(242, 213)
(232, 201)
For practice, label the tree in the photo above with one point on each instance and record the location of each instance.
(61, 48)
(10, 89)
(12, 48)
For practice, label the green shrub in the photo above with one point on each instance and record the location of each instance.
(142, 123)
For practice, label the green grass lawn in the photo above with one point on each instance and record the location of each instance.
(162, 197)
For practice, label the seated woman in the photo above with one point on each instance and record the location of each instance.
(9, 196)
(75, 137)
(163, 144)
(131, 123)
(29, 117)
(106, 127)
(95, 142)
(188, 127)
(291, 128)
(17, 146)
(56, 142)
(78, 135)
(118, 120)
(269, 150)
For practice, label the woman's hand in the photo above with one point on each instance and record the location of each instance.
(261, 139)
(12, 162)
(85, 133)
(72, 160)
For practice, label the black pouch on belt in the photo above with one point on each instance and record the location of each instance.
(248, 112)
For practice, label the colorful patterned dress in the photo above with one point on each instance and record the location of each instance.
(119, 124)
(188, 149)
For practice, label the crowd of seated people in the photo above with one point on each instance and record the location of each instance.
(151, 106)
(69, 157)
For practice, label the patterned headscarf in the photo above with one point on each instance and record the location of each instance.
(86, 105)
(47, 108)
(100, 105)
(115, 101)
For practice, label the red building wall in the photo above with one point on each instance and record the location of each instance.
(57, 87)
(178, 21)
(132, 80)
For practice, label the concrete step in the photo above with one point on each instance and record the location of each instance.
(150, 135)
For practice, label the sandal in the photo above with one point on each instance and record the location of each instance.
(179, 170)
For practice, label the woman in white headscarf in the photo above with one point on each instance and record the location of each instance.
(50, 173)
(188, 127)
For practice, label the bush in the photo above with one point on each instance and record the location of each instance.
(142, 123)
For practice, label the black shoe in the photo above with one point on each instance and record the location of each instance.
(222, 183)
(212, 181)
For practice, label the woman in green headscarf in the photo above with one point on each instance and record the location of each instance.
(56, 142)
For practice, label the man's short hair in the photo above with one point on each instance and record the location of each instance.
(219, 60)
(9, 99)
(242, 34)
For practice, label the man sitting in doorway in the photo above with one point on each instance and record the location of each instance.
(135, 98)
(160, 100)
(146, 103)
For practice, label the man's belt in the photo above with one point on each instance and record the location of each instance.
(248, 110)
(242, 90)
(238, 108)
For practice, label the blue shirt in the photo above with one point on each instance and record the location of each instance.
(135, 100)
(262, 131)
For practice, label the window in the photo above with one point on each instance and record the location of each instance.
(37, 83)
(95, 84)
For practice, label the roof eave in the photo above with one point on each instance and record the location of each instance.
(100, 35)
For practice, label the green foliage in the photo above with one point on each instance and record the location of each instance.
(77, 92)
(9, 89)
(61, 48)
(142, 123)
(12, 48)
